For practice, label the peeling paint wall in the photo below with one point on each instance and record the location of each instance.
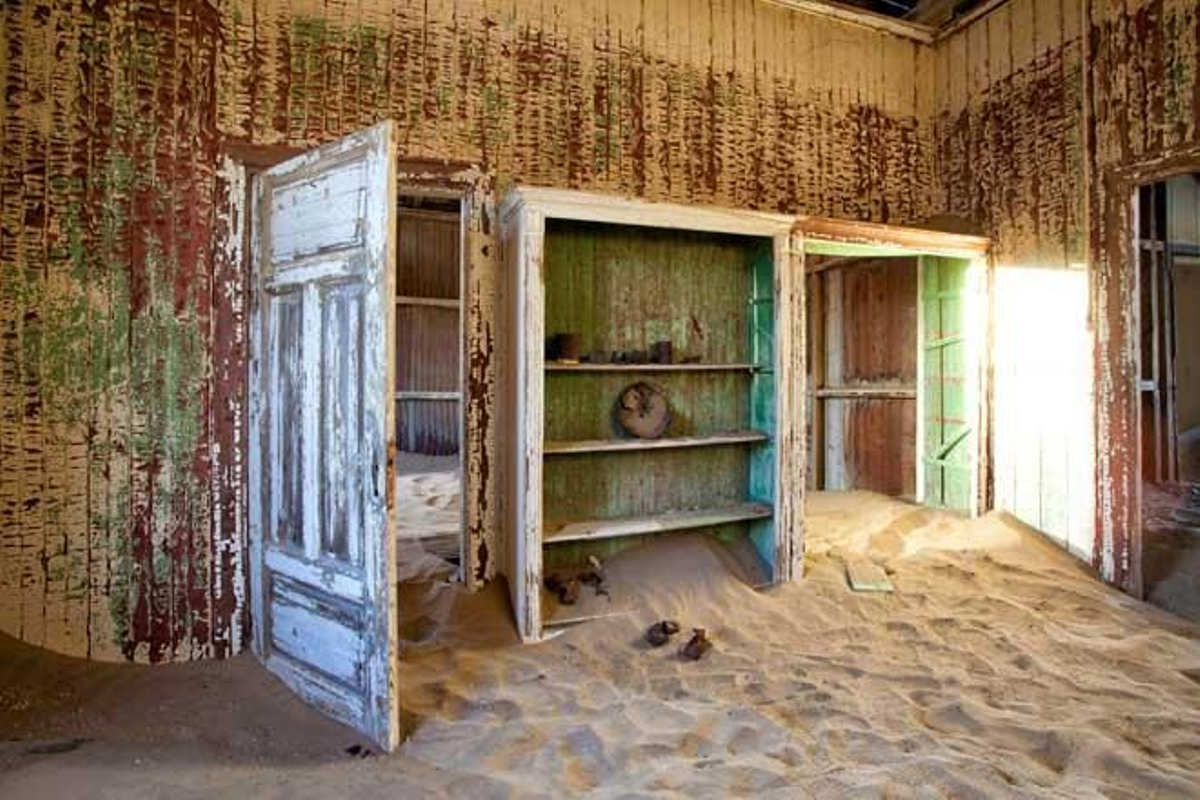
(107, 151)
(1143, 118)
(1009, 111)
(122, 352)
(737, 103)
(1048, 113)
(1010, 160)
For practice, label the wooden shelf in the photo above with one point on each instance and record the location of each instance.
(558, 366)
(866, 393)
(431, 302)
(428, 396)
(619, 445)
(591, 529)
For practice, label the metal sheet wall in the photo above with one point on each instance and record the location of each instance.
(428, 349)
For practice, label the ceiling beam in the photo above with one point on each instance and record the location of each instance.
(867, 19)
(956, 24)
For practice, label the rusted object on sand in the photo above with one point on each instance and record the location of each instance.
(566, 589)
(697, 646)
(661, 632)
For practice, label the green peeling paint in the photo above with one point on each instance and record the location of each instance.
(761, 314)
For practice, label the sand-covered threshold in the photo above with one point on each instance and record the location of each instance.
(999, 667)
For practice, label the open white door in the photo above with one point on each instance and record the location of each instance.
(323, 559)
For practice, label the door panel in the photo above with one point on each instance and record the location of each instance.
(343, 452)
(948, 388)
(286, 499)
(322, 549)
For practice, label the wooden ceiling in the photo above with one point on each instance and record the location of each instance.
(930, 12)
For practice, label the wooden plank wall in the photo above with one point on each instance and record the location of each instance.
(121, 407)
(109, 425)
(1143, 112)
(1009, 105)
(870, 443)
(122, 309)
(1183, 228)
(623, 289)
(732, 102)
(1047, 113)
(1043, 462)
(1009, 126)
(1187, 334)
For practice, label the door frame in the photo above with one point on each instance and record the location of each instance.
(1113, 250)
(878, 239)
(238, 163)
(461, 196)
(471, 189)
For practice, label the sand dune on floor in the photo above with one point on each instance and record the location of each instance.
(428, 495)
(998, 668)
(428, 515)
(989, 672)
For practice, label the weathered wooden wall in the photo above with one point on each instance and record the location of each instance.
(870, 328)
(1048, 112)
(1187, 336)
(121, 368)
(108, 143)
(1043, 461)
(738, 103)
(1009, 110)
(1143, 122)
(122, 307)
(1009, 99)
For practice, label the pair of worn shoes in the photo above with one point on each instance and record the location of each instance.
(661, 632)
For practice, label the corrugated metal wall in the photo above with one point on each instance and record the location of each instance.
(428, 334)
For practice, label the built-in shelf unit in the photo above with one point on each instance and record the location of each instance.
(622, 274)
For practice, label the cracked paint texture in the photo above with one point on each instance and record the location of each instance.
(1048, 112)
(122, 413)
(122, 409)
(107, 146)
(1143, 119)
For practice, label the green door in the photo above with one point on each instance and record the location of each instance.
(948, 390)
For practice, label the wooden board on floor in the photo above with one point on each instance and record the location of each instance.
(865, 575)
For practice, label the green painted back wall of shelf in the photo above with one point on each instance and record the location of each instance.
(580, 405)
(622, 288)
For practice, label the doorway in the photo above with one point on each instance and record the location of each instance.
(341, 342)
(895, 346)
(862, 316)
(429, 384)
(896, 367)
(1168, 309)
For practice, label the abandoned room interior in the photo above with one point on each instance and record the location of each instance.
(618, 397)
